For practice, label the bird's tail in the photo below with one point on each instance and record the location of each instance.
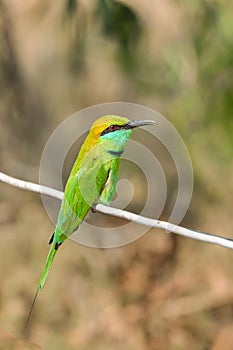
(52, 252)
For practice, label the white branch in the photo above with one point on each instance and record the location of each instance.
(163, 225)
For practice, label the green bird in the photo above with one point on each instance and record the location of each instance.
(92, 180)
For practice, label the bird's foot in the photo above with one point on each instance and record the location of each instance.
(93, 208)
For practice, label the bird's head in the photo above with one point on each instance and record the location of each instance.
(114, 131)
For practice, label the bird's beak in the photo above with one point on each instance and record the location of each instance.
(136, 123)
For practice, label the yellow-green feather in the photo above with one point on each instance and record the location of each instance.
(93, 178)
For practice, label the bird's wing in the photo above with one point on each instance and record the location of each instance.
(109, 187)
(72, 212)
(90, 184)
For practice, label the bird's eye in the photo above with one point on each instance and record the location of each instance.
(112, 127)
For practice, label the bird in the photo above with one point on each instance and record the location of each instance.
(92, 180)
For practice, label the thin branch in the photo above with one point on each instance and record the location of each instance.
(163, 225)
(30, 186)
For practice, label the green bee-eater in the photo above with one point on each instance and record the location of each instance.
(92, 180)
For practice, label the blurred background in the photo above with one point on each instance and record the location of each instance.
(160, 292)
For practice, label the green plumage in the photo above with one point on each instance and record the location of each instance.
(92, 180)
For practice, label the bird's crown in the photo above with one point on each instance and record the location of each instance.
(108, 123)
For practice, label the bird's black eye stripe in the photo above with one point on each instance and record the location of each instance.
(111, 128)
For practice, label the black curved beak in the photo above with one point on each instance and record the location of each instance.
(137, 123)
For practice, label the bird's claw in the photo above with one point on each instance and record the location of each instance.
(93, 208)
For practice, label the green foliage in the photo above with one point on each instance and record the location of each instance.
(71, 6)
(120, 23)
(213, 42)
(76, 21)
